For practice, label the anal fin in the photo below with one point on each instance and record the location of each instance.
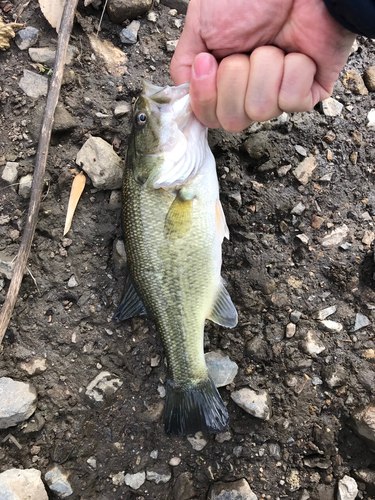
(130, 305)
(223, 312)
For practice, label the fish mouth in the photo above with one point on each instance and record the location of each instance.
(164, 95)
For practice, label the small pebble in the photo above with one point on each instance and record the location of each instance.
(174, 461)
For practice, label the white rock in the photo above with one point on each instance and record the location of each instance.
(25, 186)
(257, 403)
(336, 237)
(72, 282)
(282, 171)
(364, 423)
(174, 461)
(221, 368)
(57, 481)
(312, 345)
(171, 45)
(18, 402)
(305, 170)
(331, 107)
(36, 365)
(347, 489)
(10, 172)
(368, 237)
(103, 385)
(371, 118)
(161, 391)
(135, 481)
(303, 238)
(152, 16)
(33, 85)
(361, 321)
(101, 163)
(300, 150)
(298, 209)
(44, 55)
(154, 454)
(236, 490)
(197, 441)
(290, 330)
(22, 484)
(331, 326)
(223, 436)
(158, 477)
(324, 313)
(92, 462)
(122, 108)
(119, 478)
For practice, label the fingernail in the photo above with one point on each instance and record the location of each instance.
(203, 65)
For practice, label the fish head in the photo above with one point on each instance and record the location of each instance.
(163, 127)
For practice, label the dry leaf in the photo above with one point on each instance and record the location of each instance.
(75, 194)
(52, 11)
(113, 58)
(7, 32)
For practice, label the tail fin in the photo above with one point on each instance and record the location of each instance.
(198, 407)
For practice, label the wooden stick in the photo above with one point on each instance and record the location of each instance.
(40, 165)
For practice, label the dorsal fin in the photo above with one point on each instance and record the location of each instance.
(130, 305)
(223, 312)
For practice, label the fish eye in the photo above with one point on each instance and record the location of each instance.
(141, 119)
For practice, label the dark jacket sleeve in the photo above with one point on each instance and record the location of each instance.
(357, 16)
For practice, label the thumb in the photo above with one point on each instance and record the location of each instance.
(188, 47)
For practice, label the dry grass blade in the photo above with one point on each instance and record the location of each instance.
(77, 188)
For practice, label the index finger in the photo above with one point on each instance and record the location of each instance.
(188, 47)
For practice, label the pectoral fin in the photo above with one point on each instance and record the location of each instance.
(130, 305)
(179, 217)
(221, 223)
(223, 312)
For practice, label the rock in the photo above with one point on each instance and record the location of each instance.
(18, 402)
(57, 481)
(330, 326)
(303, 238)
(72, 283)
(35, 424)
(27, 37)
(335, 237)
(347, 489)
(198, 442)
(171, 45)
(37, 365)
(122, 108)
(180, 5)
(119, 478)
(236, 198)
(158, 477)
(119, 10)
(129, 34)
(135, 481)
(303, 173)
(361, 321)
(295, 316)
(257, 146)
(22, 484)
(368, 237)
(298, 209)
(369, 78)
(257, 403)
(331, 107)
(300, 150)
(275, 450)
(367, 476)
(33, 85)
(223, 436)
(119, 254)
(353, 81)
(364, 425)
(174, 461)
(152, 16)
(103, 386)
(101, 163)
(92, 462)
(371, 118)
(63, 120)
(335, 376)
(10, 172)
(312, 344)
(24, 188)
(221, 368)
(46, 56)
(324, 313)
(290, 330)
(257, 349)
(236, 490)
(282, 171)
(183, 488)
(367, 379)
(346, 246)
(6, 266)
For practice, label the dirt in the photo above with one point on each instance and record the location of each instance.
(269, 273)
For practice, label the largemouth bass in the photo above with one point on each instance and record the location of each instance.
(173, 226)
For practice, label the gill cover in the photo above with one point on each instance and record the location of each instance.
(171, 143)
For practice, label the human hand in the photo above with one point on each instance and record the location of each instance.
(297, 50)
